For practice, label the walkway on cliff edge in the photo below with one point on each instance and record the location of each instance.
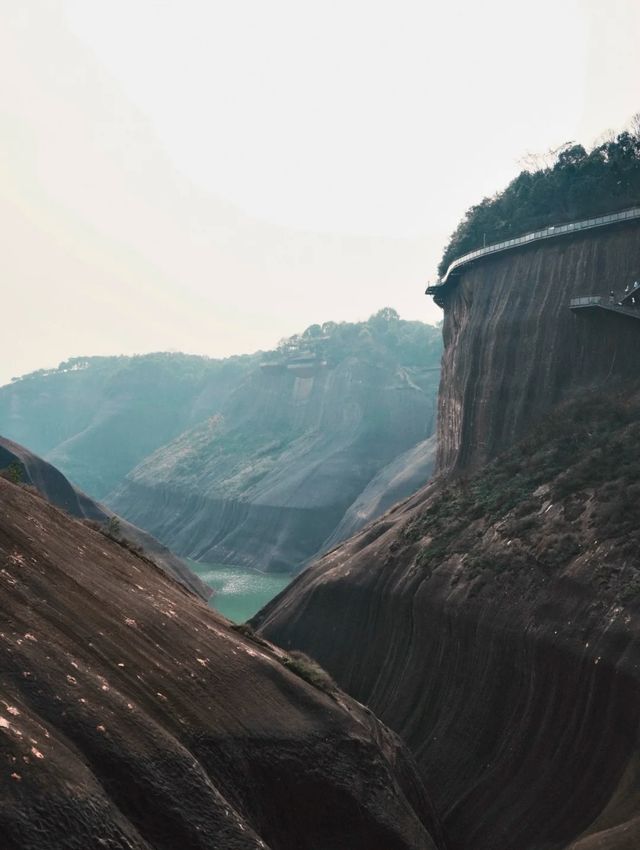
(551, 232)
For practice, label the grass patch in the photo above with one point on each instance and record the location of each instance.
(310, 671)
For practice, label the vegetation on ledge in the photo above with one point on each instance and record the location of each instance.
(576, 185)
(573, 484)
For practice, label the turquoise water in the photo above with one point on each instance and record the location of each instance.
(239, 594)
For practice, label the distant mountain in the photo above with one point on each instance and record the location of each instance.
(253, 460)
(97, 417)
(266, 482)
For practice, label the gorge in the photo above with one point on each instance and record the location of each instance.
(494, 614)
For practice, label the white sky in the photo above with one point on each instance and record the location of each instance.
(209, 176)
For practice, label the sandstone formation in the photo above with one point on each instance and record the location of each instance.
(132, 716)
(496, 627)
(495, 613)
(51, 483)
(267, 483)
(513, 348)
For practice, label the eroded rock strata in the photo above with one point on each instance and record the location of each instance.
(132, 716)
(52, 484)
(513, 348)
(493, 622)
(266, 483)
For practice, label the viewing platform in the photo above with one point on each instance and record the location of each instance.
(592, 303)
(552, 232)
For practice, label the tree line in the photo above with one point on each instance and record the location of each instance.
(577, 184)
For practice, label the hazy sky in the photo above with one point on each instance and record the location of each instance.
(210, 176)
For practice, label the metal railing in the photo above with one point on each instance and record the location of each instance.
(547, 233)
(585, 300)
(604, 302)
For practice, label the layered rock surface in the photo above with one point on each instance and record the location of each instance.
(494, 623)
(495, 613)
(133, 716)
(513, 348)
(52, 484)
(267, 482)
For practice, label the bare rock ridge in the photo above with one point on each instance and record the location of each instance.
(132, 716)
(52, 485)
(494, 616)
(267, 483)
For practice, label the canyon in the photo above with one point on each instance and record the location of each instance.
(491, 619)
(253, 461)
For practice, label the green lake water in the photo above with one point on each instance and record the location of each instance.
(239, 594)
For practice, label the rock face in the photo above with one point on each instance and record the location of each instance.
(266, 484)
(495, 614)
(133, 716)
(52, 484)
(496, 627)
(95, 418)
(513, 349)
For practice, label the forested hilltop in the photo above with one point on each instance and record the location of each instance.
(577, 184)
(96, 418)
(330, 430)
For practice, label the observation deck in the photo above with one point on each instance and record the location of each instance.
(438, 289)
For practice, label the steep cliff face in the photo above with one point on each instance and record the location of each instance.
(53, 486)
(513, 349)
(267, 482)
(494, 623)
(494, 617)
(132, 716)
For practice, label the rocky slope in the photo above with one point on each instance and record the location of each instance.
(513, 349)
(95, 418)
(493, 621)
(132, 716)
(267, 482)
(29, 469)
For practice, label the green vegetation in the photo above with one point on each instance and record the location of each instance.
(310, 671)
(578, 184)
(249, 633)
(14, 472)
(383, 338)
(113, 528)
(583, 454)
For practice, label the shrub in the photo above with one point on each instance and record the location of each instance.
(14, 472)
(247, 631)
(310, 671)
(113, 528)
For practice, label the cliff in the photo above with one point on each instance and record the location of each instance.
(494, 616)
(50, 483)
(132, 716)
(494, 623)
(513, 348)
(267, 482)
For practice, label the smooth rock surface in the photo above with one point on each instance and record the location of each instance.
(513, 349)
(496, 612)
(53, 485)
(132, 716)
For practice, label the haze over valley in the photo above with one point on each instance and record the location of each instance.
(294, 554)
